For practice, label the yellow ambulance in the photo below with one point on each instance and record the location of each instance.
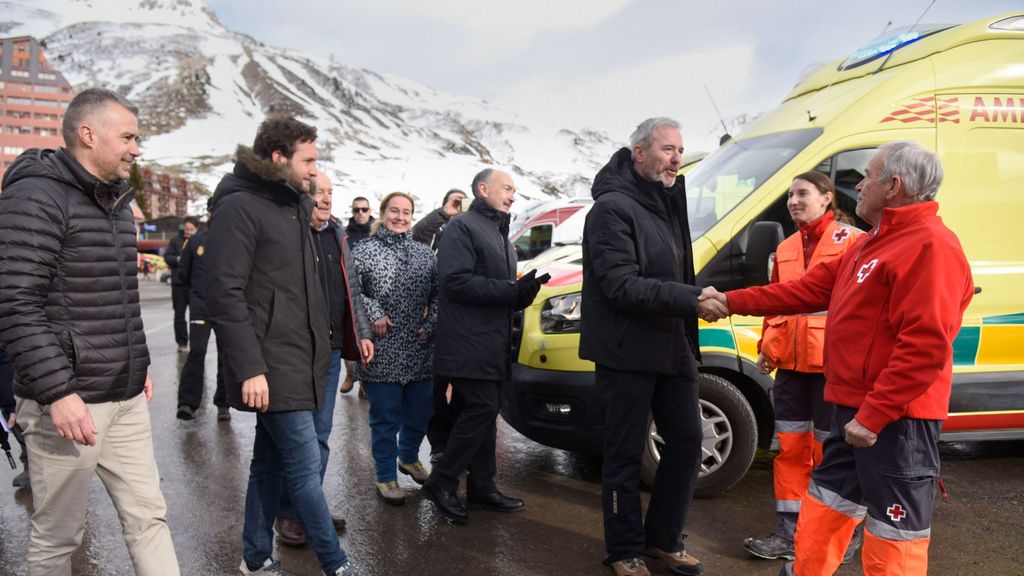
(957, 90)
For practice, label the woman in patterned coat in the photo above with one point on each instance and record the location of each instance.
(399, 281)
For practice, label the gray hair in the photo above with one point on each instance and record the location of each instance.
(84, 105)
(919, 169)
(643, 135)
(481, 177)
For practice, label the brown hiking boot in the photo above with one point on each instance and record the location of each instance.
(290, 532)
(677, 562)
(346, 384)
(630, 567)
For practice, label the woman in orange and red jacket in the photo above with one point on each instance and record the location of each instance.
(794, 346)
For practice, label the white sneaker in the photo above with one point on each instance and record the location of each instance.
(270, 567)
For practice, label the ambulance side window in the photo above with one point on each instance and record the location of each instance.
(846, 170)
(534, 241)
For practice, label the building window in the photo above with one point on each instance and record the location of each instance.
(13, 150)
(44, 88)
(50, 103)
(47, 76)
(21, 74)
(16, 100)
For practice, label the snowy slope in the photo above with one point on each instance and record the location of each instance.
(203, 89)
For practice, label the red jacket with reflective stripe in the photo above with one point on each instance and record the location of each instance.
(895, 301)
(797, 341)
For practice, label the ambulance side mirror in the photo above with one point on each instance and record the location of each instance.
(762, 240)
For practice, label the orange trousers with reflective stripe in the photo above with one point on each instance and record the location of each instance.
(823, 534)
(799, 453)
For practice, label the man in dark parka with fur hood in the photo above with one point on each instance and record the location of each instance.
(269, 313)
(640, 309)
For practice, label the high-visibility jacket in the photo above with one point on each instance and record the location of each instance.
(797, 342)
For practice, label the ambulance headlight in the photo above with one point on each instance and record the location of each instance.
(561, 314)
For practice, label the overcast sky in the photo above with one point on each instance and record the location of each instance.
(605, 64)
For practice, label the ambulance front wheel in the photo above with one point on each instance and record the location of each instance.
(730, 438)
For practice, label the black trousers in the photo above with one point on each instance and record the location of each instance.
(445, 414)
(894, 481)
(193, 374)
(471, 442)
(674, 401)
(179, 299)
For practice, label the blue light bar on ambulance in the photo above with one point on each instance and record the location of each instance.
(890, 42)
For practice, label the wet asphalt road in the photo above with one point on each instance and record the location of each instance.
(978, 530)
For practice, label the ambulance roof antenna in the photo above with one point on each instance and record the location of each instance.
(725, 131)
(916, 22)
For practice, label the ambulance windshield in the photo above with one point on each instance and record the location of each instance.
(727, 176)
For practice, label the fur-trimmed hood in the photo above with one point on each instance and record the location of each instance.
(257, 176)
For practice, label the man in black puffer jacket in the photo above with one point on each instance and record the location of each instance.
(640, 313)
(71, 322)
(478, 292)
(269, 313)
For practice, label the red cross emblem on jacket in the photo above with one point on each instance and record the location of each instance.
(839, 235)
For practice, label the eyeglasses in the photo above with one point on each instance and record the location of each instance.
(357, 210)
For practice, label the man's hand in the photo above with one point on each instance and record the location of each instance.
(256, 393)
(422, 334)
(73, 421)
(147, 388)
(712, 305)
(764, 365)
(528, 286)
(12, 421)
(858, 436)
(381, 325)
(366, 347)
(453, 206)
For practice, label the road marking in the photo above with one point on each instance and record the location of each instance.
(159, 328)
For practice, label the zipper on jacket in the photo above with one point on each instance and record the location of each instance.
(118, 204)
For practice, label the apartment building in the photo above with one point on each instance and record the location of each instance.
(33, 97)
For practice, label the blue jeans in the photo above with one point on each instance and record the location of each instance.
(323, 422)
(402, 412)
(285, 453)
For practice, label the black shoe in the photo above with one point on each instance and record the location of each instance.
(771, 547)
(447, 503)
(185, 412)
(495, 501)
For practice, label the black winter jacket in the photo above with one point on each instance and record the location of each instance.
(351, 325)
(192, 274)
(428, 229)
(172, 256)
(476, 269)
(639, 309)
(69, 299)
(263, 291)
(358, 232)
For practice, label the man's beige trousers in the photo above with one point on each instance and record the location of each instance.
(62, 470)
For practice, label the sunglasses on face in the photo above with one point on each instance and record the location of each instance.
(358, 210)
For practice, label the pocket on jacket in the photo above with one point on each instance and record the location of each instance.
(777, 340)
(66, 340)
(814, 347)
(268, 322)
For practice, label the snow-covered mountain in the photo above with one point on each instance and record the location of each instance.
(203, 89)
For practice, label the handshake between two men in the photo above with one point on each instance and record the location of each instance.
(712, 305)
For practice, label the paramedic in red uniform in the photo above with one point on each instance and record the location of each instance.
(895, 302)
(794, 344)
